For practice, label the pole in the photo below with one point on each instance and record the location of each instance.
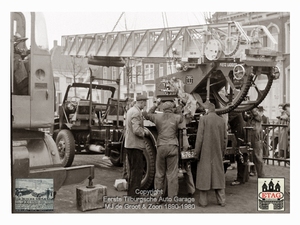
(118, 102)
(208, 88)
(90, 103)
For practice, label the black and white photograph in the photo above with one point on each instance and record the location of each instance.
(33, 195)
(129, 111)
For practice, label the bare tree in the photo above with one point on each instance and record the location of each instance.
(75, 67)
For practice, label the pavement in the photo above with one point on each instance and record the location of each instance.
(239, 199)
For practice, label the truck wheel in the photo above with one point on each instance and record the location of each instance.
(115, 159)
(54, 135)
(149, 169)
(66, 147)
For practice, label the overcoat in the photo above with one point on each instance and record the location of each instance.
(210, 146)
(283, 136)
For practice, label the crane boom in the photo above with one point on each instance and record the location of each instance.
(200, 42)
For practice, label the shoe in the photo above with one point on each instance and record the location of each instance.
(190, 195)
(251, 174)
(203, 206)
(222, 204)
(234, 183)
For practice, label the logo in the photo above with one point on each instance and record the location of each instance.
(189, 79)
(270, 194)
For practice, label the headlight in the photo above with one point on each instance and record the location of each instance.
(70, 106)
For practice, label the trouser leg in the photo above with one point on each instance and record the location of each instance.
(188, 177)
(241, 167)
(125, 166)
(136, 164)
(203, 198)
(258, 156)
(160, 169)
(220, 195)
(172, 171)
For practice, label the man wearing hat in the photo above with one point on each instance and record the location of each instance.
(210, 146)
(135, 145)
(253, 119)
(265, 120)
(167, 146)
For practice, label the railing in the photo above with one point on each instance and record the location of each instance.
(276, 144)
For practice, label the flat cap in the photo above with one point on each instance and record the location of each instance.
(261, 108)
(141, 98)
(209, 106)
(168, 105)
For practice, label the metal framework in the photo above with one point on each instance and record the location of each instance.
(188, 42)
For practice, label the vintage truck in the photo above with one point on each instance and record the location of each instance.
(219, 63)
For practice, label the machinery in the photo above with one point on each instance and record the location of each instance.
(89, 119)
(34, 153)
(219, 63)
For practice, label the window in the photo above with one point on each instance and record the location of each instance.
(274, 30)
(150, 94)
(114, 73)
(121, 76)
(287, 72)
(171, 68)
(131, 95)
(287, 37)
(149, 71)
(80, 80)
(104, 75)
(161, 69)
(56, 82)
(132, 75)
(138, 72)
(69, 80)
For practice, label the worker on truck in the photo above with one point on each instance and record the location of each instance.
(21, 67)
(167, 146)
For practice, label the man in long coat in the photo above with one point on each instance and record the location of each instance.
(210, 147)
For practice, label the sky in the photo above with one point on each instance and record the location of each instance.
(63, 23)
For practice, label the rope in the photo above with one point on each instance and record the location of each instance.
(118, 21)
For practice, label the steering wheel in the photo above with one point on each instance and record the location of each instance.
(74, 100)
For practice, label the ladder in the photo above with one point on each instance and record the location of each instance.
(196, 44)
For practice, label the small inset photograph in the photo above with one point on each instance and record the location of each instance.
(33, 195)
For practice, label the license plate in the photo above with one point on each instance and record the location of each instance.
(187, 155)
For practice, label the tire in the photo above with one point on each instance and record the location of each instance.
(54, 135)
(66, 147)
(115, 159)
(149, 169)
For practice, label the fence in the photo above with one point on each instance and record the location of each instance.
(276, 144)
